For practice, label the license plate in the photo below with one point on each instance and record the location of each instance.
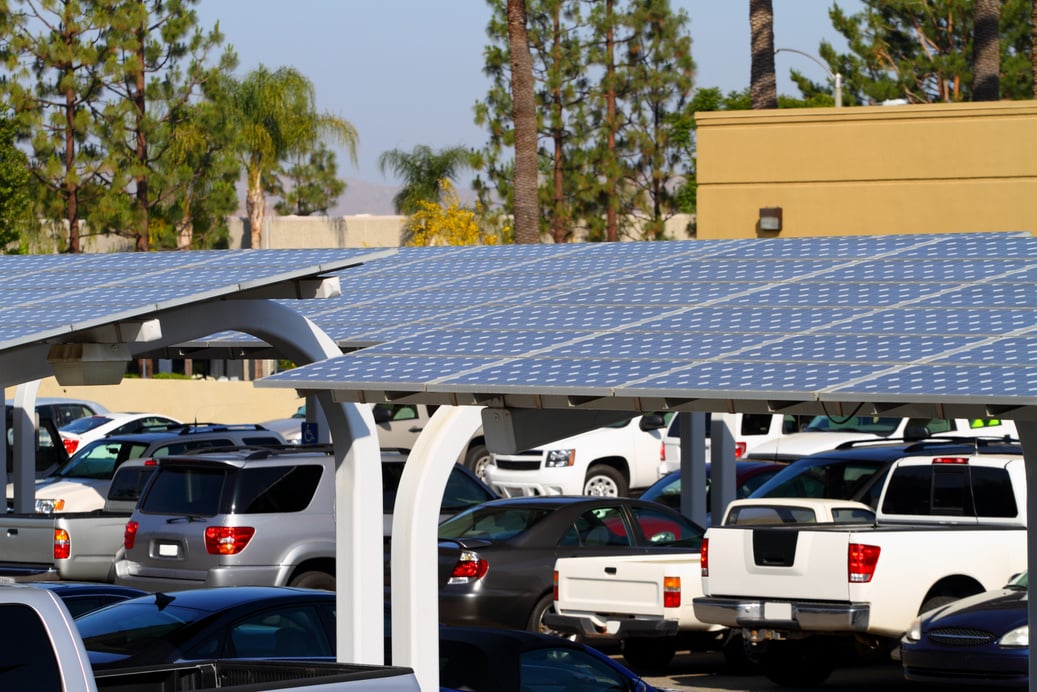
(168, 550)
(777, 611)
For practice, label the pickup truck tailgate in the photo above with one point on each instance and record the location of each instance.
(27, 540)
(622, 585)
(780, 562)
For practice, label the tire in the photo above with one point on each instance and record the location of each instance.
(536, 618)
(935, 602)
(741, 657)
(314, 580)
(604, 481)
(646, 654)
(797, 662)
(477, 459)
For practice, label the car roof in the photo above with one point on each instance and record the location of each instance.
(218, 598)
(891, 451)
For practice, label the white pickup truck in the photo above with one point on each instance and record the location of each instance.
(949, 524)
(645, 601)
(41, 650)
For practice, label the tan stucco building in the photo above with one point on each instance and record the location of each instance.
(874, 169)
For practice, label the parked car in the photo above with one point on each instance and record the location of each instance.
(197, 624)
(749, 430)
(81, 485)
(496, 560)
(981, 640)
(82, 430)
(749, 475)
(85, 597)
(51, 414)
(200, 512)
(63, 410)
(483, 659)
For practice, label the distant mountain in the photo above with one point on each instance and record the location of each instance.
(363, 197)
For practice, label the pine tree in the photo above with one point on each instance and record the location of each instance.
(308, 184)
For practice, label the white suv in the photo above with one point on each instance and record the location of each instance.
(749, 430)
(609, 461)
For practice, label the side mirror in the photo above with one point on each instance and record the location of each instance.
(652, 421)
(913, 433)
(382, 414)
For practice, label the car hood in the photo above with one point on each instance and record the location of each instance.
(999, 611)
(80, 495)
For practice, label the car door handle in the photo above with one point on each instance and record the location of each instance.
(415, 428)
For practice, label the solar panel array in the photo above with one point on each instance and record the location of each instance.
(909, 318)
(48, 296)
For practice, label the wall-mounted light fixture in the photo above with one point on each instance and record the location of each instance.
(770, 218)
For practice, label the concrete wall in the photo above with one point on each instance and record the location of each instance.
(295, 232)
(870, 170)
(208, 401)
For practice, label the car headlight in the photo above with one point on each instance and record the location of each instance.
(49, 506)
(559, 457)
(914, 631)
(1017, 638)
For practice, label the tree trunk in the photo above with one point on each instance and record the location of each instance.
(71, 186)
(1033, 42)
(986, 67)
(527, 209)
(559, 218)
(255, 202)
(611, 183)
(763, 86)
(141, 179)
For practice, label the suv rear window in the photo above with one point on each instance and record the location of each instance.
(951, 490)
(207, 491)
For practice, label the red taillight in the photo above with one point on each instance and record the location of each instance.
(227, 540)
(739, 450)
(950, 460)
(662, 451)
(671, 592)
(62, 545)
(704, 557)
(469, 567)
(129, 536)
(554, 590)
(70, 445)
(862, 560)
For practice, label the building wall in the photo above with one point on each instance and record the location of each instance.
(869, 170)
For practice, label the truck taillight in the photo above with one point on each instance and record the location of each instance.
(671, 592)
(554, 589)
(469, 567)
(862, 560)
(950, 460)
(704, 557)
(129, 536)
(739, 450)
(227, 540)
(62, 545)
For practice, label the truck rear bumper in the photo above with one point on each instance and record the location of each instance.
(611, 628)
(807, 616)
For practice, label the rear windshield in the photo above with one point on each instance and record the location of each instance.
(207, 491)
(839, 479)
(83, 425)
(951, 490)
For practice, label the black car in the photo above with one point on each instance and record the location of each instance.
(84, 597)
(221, 622)
(496, 560)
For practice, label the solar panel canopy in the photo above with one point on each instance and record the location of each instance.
(935, 324)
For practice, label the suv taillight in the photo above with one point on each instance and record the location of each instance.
(227, 540)
(70, 446)
(62, 545)
(950, 460)
(129, 536)
(862, 561)
(739, 450)
(469, 567)
(704, 557)
(662, 451)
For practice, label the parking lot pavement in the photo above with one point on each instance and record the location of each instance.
(705, 672)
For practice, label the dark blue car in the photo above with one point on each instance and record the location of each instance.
(981, 640)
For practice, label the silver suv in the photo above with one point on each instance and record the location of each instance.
(251, 516)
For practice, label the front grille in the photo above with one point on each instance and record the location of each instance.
(516, 465)
(960, 636)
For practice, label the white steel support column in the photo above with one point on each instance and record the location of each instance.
(1028, 436)
(358, 477)
(23, 425)
(415, 555)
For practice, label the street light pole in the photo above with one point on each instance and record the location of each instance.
(837, 79)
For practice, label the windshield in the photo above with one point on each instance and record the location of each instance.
(874, 425)
(1019, 582)
(840, 479)
(99, 459)
(491, 523)
(134, 626)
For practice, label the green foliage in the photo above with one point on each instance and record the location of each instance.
(308, 185)
(15, 200)
(922, 51)
(422, 171)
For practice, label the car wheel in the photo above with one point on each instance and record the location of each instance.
(477, 459)
(797, 662)
(604, 481)
(741, 657)
(314, 580)
(536, 618)
(934, 602)
(645, 654)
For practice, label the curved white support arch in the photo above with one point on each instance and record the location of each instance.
(415, 598)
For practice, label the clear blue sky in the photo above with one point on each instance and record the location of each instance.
(407, 72)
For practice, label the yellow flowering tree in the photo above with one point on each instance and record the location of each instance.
(447, 222)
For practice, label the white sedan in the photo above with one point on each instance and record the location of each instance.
(83, 430)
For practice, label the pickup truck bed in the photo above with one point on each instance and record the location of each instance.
(73, 547)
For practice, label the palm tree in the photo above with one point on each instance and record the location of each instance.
(1033, 42)
(527, 206)
(276, 116)
(986, 46)
(421, 171)
(762, 84)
